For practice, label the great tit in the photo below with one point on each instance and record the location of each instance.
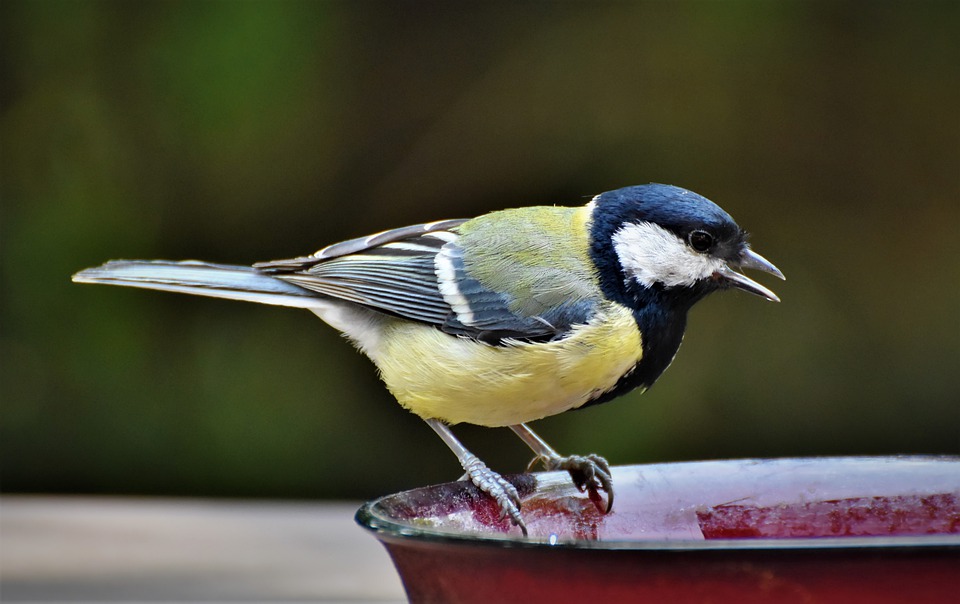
(505, 318)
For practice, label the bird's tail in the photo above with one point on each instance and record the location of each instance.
(202, 279)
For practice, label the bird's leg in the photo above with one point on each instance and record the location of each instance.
(587, 471)
(488, 481)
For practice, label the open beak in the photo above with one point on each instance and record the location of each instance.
(753, 260)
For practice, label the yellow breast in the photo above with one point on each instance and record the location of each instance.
(458, 380)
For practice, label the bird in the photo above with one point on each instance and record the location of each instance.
(508, 317)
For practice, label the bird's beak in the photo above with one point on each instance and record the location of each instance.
(750, 259)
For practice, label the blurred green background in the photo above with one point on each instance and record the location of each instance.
(246, 131)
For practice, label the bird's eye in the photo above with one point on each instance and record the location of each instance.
(701, 240)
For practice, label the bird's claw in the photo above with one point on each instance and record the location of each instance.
(589, 472)
(494, 485)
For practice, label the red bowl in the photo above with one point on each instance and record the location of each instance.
(881, 529)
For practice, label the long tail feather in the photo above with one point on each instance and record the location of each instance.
(202, 279)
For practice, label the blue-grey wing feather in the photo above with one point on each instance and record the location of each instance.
(391, 272)
(405, 286)
(362, 244)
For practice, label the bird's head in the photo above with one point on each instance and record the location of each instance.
(661, 238)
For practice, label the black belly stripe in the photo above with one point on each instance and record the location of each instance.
(661, 333)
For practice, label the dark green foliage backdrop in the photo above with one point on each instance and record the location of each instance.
(245, 131)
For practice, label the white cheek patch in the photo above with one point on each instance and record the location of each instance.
(651, 254)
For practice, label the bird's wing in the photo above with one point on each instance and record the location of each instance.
(418, 273)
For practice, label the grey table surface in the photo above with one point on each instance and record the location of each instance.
(92, 549)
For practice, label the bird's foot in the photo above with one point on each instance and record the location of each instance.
(494, 485)
(589, 472)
